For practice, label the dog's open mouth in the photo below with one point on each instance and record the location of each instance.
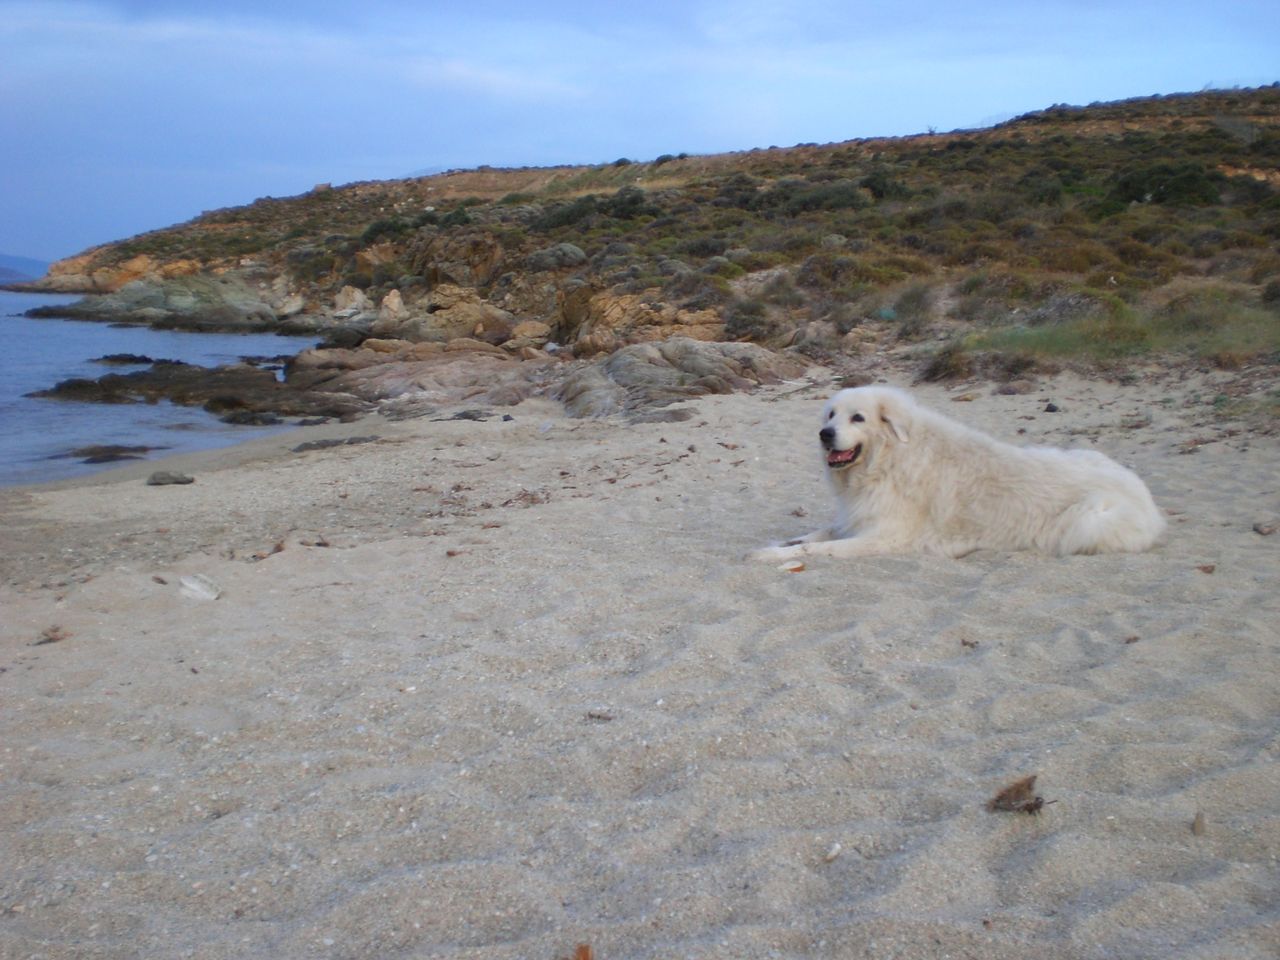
(843, 458)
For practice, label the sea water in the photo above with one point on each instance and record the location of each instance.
(36, 434)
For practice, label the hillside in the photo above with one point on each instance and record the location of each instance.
(1143, 224)
(16, 269)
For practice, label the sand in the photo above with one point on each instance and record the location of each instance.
(499, 689)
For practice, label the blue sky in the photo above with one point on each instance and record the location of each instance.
(121, 117)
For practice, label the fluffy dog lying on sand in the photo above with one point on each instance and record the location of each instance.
(907, 479)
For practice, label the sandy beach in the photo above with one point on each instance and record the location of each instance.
(500, 688)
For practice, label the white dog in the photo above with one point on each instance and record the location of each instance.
(907, 479)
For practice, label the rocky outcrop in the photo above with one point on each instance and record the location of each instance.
(472, 259)
(194, 302)
(233, 301)
(229, 390)
(559, 257)
(409, 379)
(82, 273)
(656, 374)
(446, 313)
(602, 322)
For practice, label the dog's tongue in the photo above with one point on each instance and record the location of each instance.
(837, 457)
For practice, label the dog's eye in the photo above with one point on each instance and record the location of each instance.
(857, 418)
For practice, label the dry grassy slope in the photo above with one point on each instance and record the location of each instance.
(352, 207)
(1094, 222)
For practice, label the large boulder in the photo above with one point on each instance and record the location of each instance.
(411, 379)
(350, 301)
(602, 322)
(656, 374)
(559, 257)
(447, 313)
(472, 259)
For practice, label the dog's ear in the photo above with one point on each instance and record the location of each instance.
(894, 417)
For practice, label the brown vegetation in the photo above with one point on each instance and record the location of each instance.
(1100, 231)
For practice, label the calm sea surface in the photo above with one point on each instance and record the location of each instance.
(35, 434)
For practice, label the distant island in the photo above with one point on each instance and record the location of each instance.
(21, 269)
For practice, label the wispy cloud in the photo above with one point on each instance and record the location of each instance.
(487, 80)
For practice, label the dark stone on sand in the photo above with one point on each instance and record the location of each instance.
(332, 442)
(669, 415)
(164, 478)
(1052, 408)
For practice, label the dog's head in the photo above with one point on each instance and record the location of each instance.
(859, 424)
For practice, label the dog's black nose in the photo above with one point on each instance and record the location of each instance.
(827, 435)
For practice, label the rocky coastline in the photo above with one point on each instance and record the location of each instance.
(415, 350)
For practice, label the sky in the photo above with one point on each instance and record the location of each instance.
(122, 117)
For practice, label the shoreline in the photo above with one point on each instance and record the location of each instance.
(42, 433)
(211, 459)
(496, 689)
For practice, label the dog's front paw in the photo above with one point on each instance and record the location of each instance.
(780, 553)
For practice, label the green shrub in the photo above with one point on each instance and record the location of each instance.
(781, 290)
(1176, 184)
(457, 217)
(567, 214)
(912, 307)
(748, 320)
(884, 186)
(952, 362)
(627, 204)
(703, 246)
(381, 230)
(840, 195)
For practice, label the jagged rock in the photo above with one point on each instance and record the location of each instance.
(78, 274)
(607, 321)
(656, 374)
(465, 260)
(334, 442)
(349, 302)
(166, 478)
(531, 334)
(559, 257)
(447, 313)
(392, 310)
(197, 302)
(413, 381)
(290, 305)
(223, 390)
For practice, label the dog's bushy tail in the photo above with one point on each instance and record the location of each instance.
(1109, 522)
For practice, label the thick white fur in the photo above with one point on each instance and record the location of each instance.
(924, 483)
